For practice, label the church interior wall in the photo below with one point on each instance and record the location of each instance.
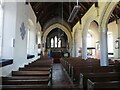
(22, 13)
(95, 13)
(113, 28)
(78, 42)
(9, 25)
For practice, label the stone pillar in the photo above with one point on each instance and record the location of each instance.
(119, 38)
(103, 47)
(84, 46)
(54, 42)
(42, 48)
(48, 43)
(73, 48)
(57, 41)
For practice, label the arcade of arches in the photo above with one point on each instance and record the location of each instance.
(32, 30)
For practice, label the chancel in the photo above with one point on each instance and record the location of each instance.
(72, 45)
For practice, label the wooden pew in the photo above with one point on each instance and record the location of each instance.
(117, 66)
(90, 69)
(38, 65)
(97, 76)
(86, 66)
(49, 69)
(103, 85)
(78, 65)
(26, 77)
(36, 75)
(38, 87)
(35, 69)
(50, 61)
(33, 73)
(30, 73)
(25, 87)
(24, 81)
(41, 63)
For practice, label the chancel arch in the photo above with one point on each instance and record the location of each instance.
(90, 23)
(52, 27)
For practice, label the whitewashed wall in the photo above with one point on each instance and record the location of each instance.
(93, 29)
(119, 37)
(78, 42)
(113, 27)
(95, 14)
(20, 13)
(77, 30)
(77, 39)
(1, 27)
(9, 25)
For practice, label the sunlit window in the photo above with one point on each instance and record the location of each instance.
(59, 43)
(52, 43)
(89, 40)
(28, 41)
(55, 41)
(110, 42)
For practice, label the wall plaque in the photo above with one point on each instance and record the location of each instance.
(22, 30)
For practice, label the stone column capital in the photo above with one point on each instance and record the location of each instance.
(103, 28)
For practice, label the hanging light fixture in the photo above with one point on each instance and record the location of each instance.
(74, 12)
(1, 1)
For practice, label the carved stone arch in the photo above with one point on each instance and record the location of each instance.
(104, 18)
(63, 28)
(110, 6)
(57, 25)
(84, 35)
(88, 22)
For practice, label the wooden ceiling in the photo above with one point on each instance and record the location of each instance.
(115, 14)
(45, 11)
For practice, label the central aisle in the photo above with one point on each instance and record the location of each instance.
(60, 78)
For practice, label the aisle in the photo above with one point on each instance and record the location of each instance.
(60, 78)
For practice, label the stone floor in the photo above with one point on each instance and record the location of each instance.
(60, 78)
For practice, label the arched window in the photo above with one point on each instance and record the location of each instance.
(59, 43)
(89, 40)
(28, 41)
(55, 41)
(110, 42)
(52, 43)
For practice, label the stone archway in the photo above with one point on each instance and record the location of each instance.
(104, 18)
(103, 31)
(63, 28)
(84, 35)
